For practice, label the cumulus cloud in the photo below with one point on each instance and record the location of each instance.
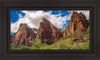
(33, 19)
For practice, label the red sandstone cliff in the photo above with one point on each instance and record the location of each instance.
(23, 35)
(47, 32)
(78, 22)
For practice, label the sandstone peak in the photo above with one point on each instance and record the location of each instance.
(23, 26)
(74, 12)
(81, 13)
(77, 22)
(23, 35)
(44, 20)
(47, 32)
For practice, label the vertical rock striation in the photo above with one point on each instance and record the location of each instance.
(47, 32)
(23, 35)
(78, 22)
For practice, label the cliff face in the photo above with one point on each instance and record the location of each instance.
(23, 35)
(47, 32)
(78, 22)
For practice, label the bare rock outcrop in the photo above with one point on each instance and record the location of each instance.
(23, 35)
(78, 22)
(47, 32)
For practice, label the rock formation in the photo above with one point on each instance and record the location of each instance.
(78, 22)
(47, 32)
(23, 35)
(84, 39)
(61, 30)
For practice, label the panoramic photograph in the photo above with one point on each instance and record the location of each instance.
(49, 30)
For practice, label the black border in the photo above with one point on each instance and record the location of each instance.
(51, 51)
(39, 5)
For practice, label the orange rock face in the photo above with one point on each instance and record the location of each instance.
(47, 32)
(23, 35)
(78, 22)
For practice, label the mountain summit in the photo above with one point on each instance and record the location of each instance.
(23, 35)
(78, 22)
(47, 32)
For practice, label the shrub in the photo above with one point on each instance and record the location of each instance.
(61, 44)
(13, 47)
(37, 43)
(25, 48)
(58, 45)
(88, 30)
(69, 41)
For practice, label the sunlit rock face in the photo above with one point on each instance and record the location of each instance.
(78, 22)
(47, 32)
(23, 35)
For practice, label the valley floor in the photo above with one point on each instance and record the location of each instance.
(61, 44)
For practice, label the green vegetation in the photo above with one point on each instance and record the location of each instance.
(59, 44)
(88, 29)
(13, 48)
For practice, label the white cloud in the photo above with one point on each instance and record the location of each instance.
(33, 19)
(20, 16)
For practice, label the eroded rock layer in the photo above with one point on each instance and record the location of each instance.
(47, 32)
(78, 22)
(23, 35)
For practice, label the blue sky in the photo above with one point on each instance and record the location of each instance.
(15, 15)
(59, 18)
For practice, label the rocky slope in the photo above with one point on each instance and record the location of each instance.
(78, 22)
(47, 32)
(23, 35)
